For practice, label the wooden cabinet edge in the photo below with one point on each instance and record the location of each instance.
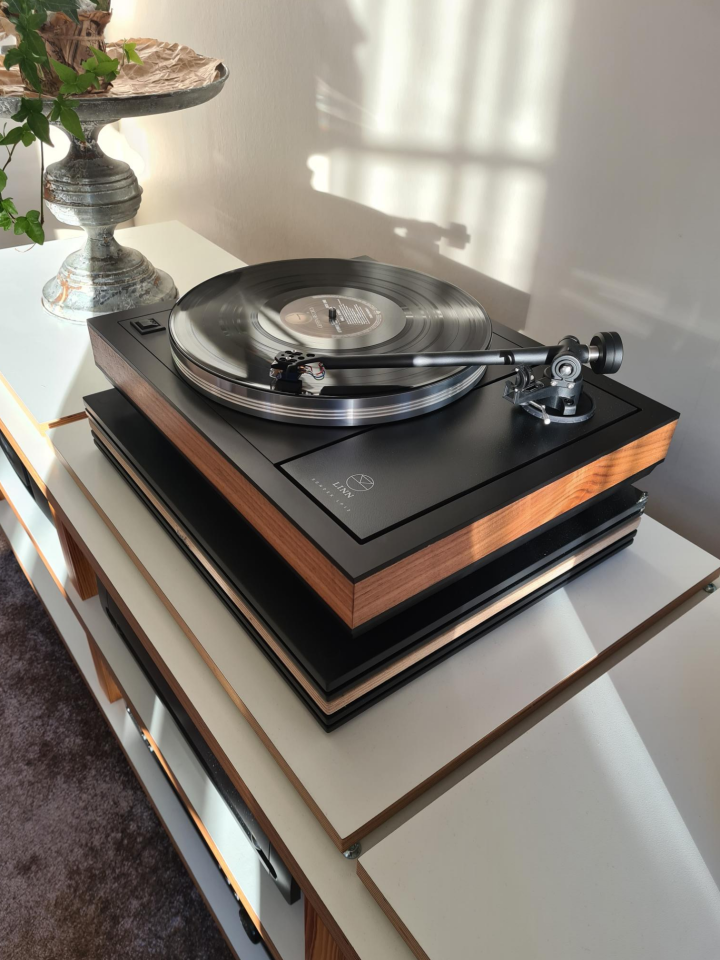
(319, 942)
(106, 678)
(79, 568)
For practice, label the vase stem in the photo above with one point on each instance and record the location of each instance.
(93, 191)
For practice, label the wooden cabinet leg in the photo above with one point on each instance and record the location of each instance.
(319, 944)
(104, 673)
(81, 573)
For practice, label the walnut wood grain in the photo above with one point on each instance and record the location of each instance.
(442, 559)
(81, 573)
(106, 678)
(357, 603)
(319, 944)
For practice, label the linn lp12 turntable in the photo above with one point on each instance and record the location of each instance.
(368, 472)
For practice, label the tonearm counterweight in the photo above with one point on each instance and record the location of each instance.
(555, 397)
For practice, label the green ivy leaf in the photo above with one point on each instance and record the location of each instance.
(12, 137)
(91, 64)
(28, 107)
(12, 58)
(34, 44)
(33, 216)
(3, 180)
(35, 20)
(100, 55)
(9, 207)
(106, 67)
(35, 231)
(29, 70)
(39, 125)
(70, 120)
(26, 135)
(66, 74)
(56, 108)
(131, 54)
(83, 83)
(20, 225)
(5, 221)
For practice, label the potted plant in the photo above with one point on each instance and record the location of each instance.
(60, 54)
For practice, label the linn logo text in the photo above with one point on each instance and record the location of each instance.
(357, 483)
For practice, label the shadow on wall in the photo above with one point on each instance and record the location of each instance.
(415, 131)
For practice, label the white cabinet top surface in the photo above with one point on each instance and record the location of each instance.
(428, 725)
(47, 362)
(573, 841)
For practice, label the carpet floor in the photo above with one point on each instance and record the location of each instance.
(86, 870)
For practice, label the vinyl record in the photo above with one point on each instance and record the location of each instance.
(226, 332)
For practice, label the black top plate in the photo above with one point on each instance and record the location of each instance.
(495, 460)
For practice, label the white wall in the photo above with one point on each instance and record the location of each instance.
(557, 154)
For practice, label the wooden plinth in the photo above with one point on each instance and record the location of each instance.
(358, 602)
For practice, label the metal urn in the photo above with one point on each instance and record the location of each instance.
(93, 191)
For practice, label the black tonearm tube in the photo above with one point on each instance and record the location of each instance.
(555, 398)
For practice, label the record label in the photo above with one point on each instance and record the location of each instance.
(330, 316)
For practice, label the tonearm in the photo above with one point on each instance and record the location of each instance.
(555, 397)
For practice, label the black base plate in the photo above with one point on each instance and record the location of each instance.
(322, 649)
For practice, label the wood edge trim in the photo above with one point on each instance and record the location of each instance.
(307, 888)
(217, 673)
(336, 590)
(26, 463)
(62, 422)
(424, 564)
(122, 748)
(392, 916)
(531, 708)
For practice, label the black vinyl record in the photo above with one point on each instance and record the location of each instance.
(226, 332)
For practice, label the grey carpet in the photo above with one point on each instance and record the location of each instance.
(86, 870)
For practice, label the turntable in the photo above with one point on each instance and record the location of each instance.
(367, 471)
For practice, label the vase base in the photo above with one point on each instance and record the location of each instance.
(88, 285)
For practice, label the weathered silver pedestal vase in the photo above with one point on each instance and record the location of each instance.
(93, 191)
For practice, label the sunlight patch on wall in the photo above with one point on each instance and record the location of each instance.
(502, 211)
(456, 124)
